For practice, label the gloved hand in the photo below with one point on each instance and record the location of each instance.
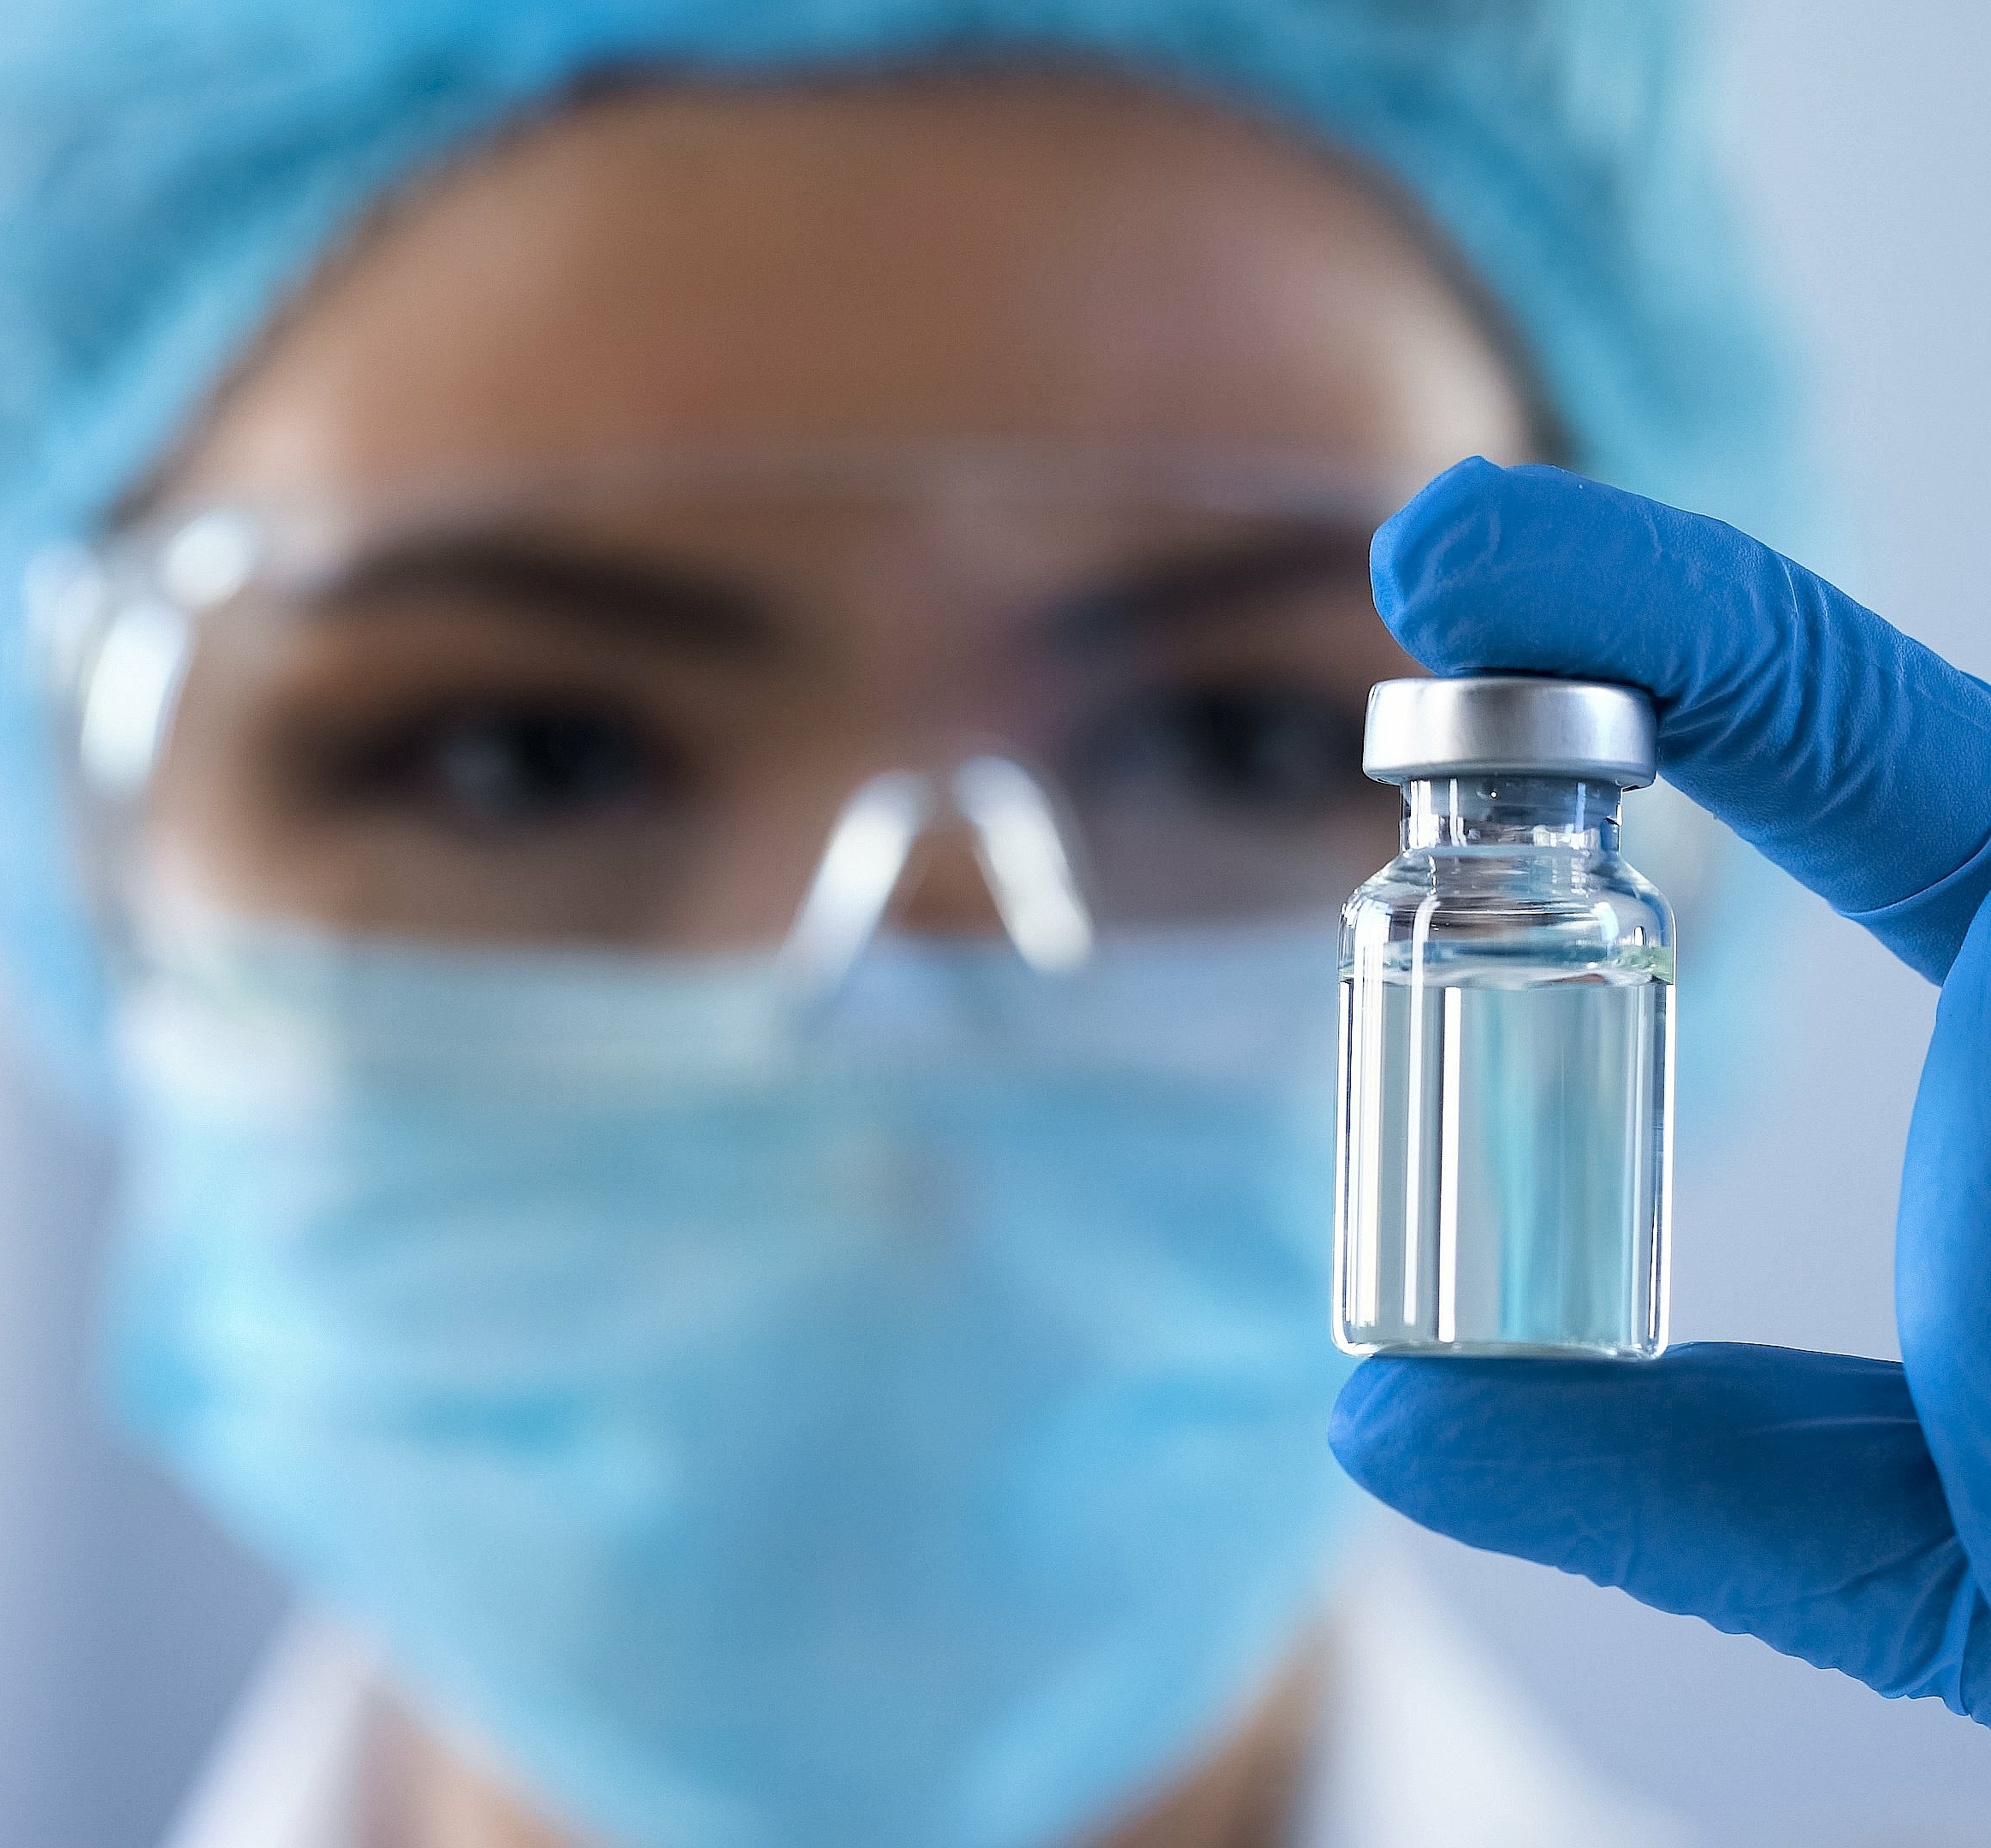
(1838, 1509)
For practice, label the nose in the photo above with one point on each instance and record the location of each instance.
(944, 890)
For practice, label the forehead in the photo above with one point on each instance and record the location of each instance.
(1043, 259)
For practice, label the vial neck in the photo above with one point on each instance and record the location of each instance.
(1511, 811)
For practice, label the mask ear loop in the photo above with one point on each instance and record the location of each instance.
(1018, 843)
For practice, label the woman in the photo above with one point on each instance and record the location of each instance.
(711, 721)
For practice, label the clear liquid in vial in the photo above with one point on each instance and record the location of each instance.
(1505, 1154)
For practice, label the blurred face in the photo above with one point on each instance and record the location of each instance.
(540, 685)
(631, 496)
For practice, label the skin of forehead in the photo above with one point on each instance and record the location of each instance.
(1034, 257)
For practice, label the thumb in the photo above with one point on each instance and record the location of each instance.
(1942, 1251)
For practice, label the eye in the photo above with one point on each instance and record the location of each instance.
(505, 765)
(1278, 749)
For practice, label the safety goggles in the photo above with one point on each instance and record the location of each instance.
(739, 700)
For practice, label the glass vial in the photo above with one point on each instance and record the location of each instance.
(1505, 1169)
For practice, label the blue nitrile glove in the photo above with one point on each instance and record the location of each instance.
(1839, 1508)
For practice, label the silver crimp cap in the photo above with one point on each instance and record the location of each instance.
(1511, 723)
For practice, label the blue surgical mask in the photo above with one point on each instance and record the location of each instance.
(760, 1426)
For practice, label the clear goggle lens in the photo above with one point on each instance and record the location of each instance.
(739, 701)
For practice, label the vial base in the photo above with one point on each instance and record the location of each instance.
(1504, 1183)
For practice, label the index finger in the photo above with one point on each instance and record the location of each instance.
(1853, 756)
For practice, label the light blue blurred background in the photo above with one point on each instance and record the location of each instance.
(1863, 143)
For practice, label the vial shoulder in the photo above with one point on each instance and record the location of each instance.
(1454, 906)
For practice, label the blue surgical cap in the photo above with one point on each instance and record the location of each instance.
(172, 170)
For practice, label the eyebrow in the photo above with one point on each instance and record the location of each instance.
(656, 600)
(1207, 586)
